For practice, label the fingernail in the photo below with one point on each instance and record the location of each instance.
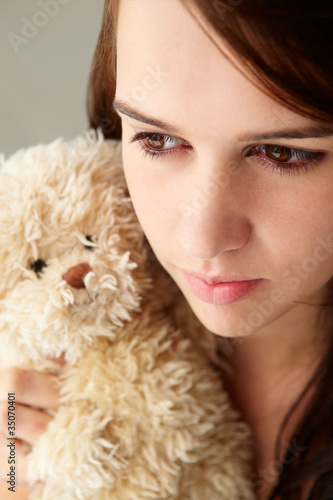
(60, 360)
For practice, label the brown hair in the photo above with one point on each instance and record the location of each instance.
(287, 48)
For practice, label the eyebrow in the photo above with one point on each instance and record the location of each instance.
(305, 133)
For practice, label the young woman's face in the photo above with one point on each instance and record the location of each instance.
(233, 193)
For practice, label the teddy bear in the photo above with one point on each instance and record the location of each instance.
(144, 413)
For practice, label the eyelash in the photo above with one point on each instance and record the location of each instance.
(312, 158)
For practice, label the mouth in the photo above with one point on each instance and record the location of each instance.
(221, 290)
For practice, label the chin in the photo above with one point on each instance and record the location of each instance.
(220, 320)
(218, 326)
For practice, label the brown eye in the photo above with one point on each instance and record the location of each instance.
(89, 247)
(278, 153)
(156, 141)
(38, 266)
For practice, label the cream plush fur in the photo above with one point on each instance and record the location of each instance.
(144, 413)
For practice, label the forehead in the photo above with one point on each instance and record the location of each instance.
(169, 68)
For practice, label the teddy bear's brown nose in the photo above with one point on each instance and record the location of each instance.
(75, 275)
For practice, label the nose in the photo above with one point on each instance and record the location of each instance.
(75, 275)
(213, 220)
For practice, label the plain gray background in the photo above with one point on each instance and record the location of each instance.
(44, 77)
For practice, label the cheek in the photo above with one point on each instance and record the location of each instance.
(293, 213)
(301, 234)
(155, 202)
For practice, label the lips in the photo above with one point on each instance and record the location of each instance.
(221, 290)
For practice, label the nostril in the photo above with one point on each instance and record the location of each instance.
(75, 275)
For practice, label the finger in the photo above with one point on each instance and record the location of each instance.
(21, 492)
(30, 387)
(30, 423)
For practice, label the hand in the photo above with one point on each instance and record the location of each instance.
(34, 393)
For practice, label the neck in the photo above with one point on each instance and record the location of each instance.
(272, 366)
(290, 343)
(270, 369)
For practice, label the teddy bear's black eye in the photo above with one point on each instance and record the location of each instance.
(38, 266)
(89, 238)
